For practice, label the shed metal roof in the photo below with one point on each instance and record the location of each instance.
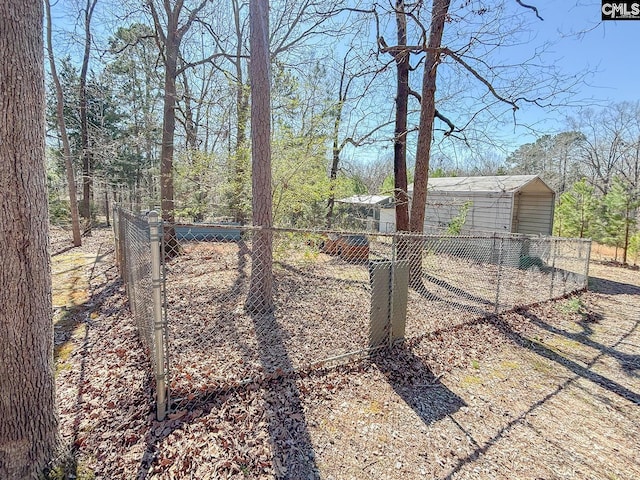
(502, 183)
(371, 200)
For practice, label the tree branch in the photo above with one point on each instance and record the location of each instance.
(449, 123)
(192, 16)
(438, 115)
(530, 7)
(482, 80)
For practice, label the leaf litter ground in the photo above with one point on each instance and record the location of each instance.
(550, 391)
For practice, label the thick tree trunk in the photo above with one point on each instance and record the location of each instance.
(400, 186)
(28, 420)
(66, 149)
(260, 298)
(425, 135)
(427, 115)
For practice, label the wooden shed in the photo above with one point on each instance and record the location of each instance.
(510, 203)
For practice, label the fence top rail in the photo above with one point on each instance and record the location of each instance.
(308, 231)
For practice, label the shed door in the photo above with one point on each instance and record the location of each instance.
(535, 214)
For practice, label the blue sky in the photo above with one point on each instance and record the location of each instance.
(583, 42)
(580, 42)
(607, 46)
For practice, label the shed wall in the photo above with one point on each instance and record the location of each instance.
(534, 215)
(488, 211)
(387, 220)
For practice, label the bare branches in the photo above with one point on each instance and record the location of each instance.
(438, 115)
(530, 7)
(366, 138)
(477, 75)
(192, 16)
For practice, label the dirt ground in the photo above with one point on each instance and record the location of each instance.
(546, 392)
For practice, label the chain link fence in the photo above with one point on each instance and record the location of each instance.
(138, 241)
(456, 279)
(236, 303)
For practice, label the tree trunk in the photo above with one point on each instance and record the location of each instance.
(333, 173)
(172, 45)
(336, 149)
(400, 187)
(427, 115)
(190, 125)
(240, 160)
(66, 149)
(425, 135)
(28, 419)
(84, 121)
(260, 298)
(627, 224)
(106, 205)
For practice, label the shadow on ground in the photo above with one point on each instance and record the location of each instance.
(416, 384)
(293, 456)
(610, 287)
(579, 372)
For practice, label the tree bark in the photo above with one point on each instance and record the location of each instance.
(336, 149)
(427, 115)
(168, 134)
(66, 149)
(28, 419)
(169, 39)
(260, 297)
(425, 136)
(400, 187)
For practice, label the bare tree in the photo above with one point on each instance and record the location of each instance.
(170, 31)
(357, 74)
(84, 118)
(28, 419)
(62, 126)
(403, 66)
(260, 298)
(604, 145)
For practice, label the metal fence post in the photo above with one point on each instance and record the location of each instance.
(554, 247)
(499, 274)
(158, 323)
(116, 233)
(586, 266)
(399, 292)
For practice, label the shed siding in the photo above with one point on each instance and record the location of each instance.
(387, 220)
(489, 212)
(517, 203)
(535, 214)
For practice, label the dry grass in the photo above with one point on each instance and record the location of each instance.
(546, 392)
(606, 253)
